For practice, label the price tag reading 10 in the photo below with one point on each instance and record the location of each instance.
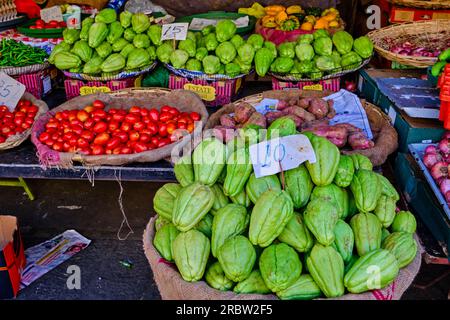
(174, 31)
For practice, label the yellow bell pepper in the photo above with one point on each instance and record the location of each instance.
(333, 24)
(294, 9)
(268, 22)
(281, 17)
(321, 24)
(274, 9)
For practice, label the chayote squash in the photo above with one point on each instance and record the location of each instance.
(189, 46)
(201, 53)
(352, 209)
(65, 60)
(384, 234)
(257, 186)
(367, 230)
(229, 221)
(154, 33)
(237, 41)
(140, 22)
(385, 210)
(281, 127)
(335, 194)
(97, 34)
(220, 199)
(280, 266)
(325, 63)
(253, 284)
(272, 47)
(107, 15)
(343, 240)
(304, 52)
(299, 185)
(361, 162)
(326, 267)
(205, 225)
(403, 246)
(119, 45)
(350, 60)
(225, 30)
(263, 59)
(345, 171)
(387, 188)
(211, 42)
(60, 47)
(165, 198)
(115, 32)
(93, 66)
(287, 49)
(323, 171)
(163, 52)
(304, 288)
(239, 168)
(129, 34)
(343, 41)
(82, 49)
(404, 221)
(242, 199)
(366, 189)
(282, 65)
(209, 159)
(237, 258)
(363, 46)
(211, 64)
(321, 217)
(374, 270)
(323, 46)
(350, 264)
(104, 50)
(190, 252)
(125, 18)
(296, 234)
(191, 205)
(114, 62)
(246, 52)
(141, 41)
(151, 53)
(85, 25)
(163, 240)
(138, 58)
(256, 40)
(216, 278)
(184, 173)
(271, 213)
(161, 222)
(71, 36)
(126, 50)
(232, 69)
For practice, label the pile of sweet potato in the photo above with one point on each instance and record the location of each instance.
(309, 114)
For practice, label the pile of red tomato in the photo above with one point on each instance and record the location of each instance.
(94, 131)
(52, 24)
(21, 119)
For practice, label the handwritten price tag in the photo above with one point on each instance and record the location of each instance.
(10, 91)
(52, 13)
(281, 154)
(176, 31)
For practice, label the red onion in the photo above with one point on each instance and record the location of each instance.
(350, 86)
(444, 146)
(447, 197)
(439, 170)
(431, 149)
(446, 135)
(446, 157)
(445, 186)
(430, 159)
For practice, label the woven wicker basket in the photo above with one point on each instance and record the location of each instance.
(385, 136)
(422, 31)
(17, 71)
(17, 139)
(430, 4)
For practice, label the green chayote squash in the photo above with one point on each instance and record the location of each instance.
(220, 199)
(361, 162)
(97, 34)
(256, 40)
(367, 230)
(253, 284)
(374, 270)
(242, 199)
(326, 267)
(304, 288)
(60, 47)
(323, 46)
(387, 188)
(403, 246)
(93, 66)
(263, 60)
(335, 194)
(271, 213)
(119, 45)
(165, 198)
(125, 18)
(163, 240)
(189, 46)
(154, 33)
(82, 49)
(385, 210)
(257, 186)
(287, 49)
(343, 42)
(184, 172)
(211, 42)
(205, 225)
(138, 58)
(85, 25)
(225, 30)
(345, 171)
(126, 50)
(232, 69)
(151, 50)
(140, 22)
(201, 53)
(246, 52)
(211, 64)
(65, 60)
(321, 217)
(129, 34)
(299, 185)
(70, 36)
(350, 264)
(216, 278)
(209, 159)
(280, 266)
(366, 189)
(304, 52)
(327, 161)
(384, 234)
(237, 41)
(190, 252)
(229, 221)
(343, 240)
(404, 221)
(305, 38)
(161, 222)
(114, 62)
(296, 234)
(320, 33)
(281, 127)
(115, 32)
(163, 52)
(104, 49)
(282, 65)
(141, 41)
(350, 60)
(237, 258)
(239, 168)
(107, 15)
(363, 46)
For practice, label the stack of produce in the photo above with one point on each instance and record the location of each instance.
(303, 114)
(18, 54)
(18, 121)
(443, 59)
(315, 55)
(312, 231)
(108, 43)
(294, 17)
(95, 131)
(437, 160)
(52, 24)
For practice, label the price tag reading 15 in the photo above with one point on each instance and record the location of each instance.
(174, 31)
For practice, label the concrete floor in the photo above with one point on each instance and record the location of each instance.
(94, 212)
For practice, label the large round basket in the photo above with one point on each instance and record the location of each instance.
(385, 136)
(17, 139)
(112, 76)
(172, 286)
(424, 4)
(427, 33)
(123, 99)
(17, 71)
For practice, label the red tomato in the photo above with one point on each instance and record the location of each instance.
(69, 135)
(155, 140)
(146, 131)
(138, 126)
(174, 111)
(62, 24)
(8, 115)
(113, 111)
(113, 125)
(165, 116)
(171, 127)
(3, 108)
(72, 115)
(25, 126)
(131, 118)
(77, 129)
(146, 120)
(163, 142)
(135, 110)
(39, 23)
(145, 138)
(166, 108)
(119, 117)
(51, 125)
(88, 109)
(116, 150)
(82, 143)
(18, 121)
(190, 127)
(133, 136)
(125, 150)
(89, 124)
(97, 150)
(87, 135)
(153, 127)
(99, 113)
(123, 136)
(144, 112)
(76, 122)
(49, 142)
(20, 114)
(195, 116)
(82, 115)
(65, 114)
(44, 136)
(2, 139)
(58, 146)
(140, 147)
(53, 24)
(100, 127)
(125, 127)
(113, 143)
(29, 121)
(31, 115)
(101, 139)
(182, 125)
(97, 104)
(85, 151)
(162, 129)
(32, 109)
(66, 146)
(154, 114)
(33, 27)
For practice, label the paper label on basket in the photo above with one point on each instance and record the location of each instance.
(267, 105)
(281, 154)
(10, 91)
(52, 13)
(85, 90)
(177, 31)
(207, 93)
(316, 87)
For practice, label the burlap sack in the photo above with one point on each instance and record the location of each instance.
(172, 286)
(147, 97)
(385, 136)
(17, 139)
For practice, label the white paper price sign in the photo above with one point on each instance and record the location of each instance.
(281, 154)
(10, 91)
(52, 13)
(176, 31)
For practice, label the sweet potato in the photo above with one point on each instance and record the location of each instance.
(304, 102)
(359, 141)
(282, 104)
(350, 128)
(331, 110)
(318, 107)
(258, 119)
(243, 112)
(273, 115)
(299, 112)
(227, 121)
(337, 135)
(298, 121)
(224, 133)
(315, 124)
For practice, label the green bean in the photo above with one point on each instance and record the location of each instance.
(18, 54)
